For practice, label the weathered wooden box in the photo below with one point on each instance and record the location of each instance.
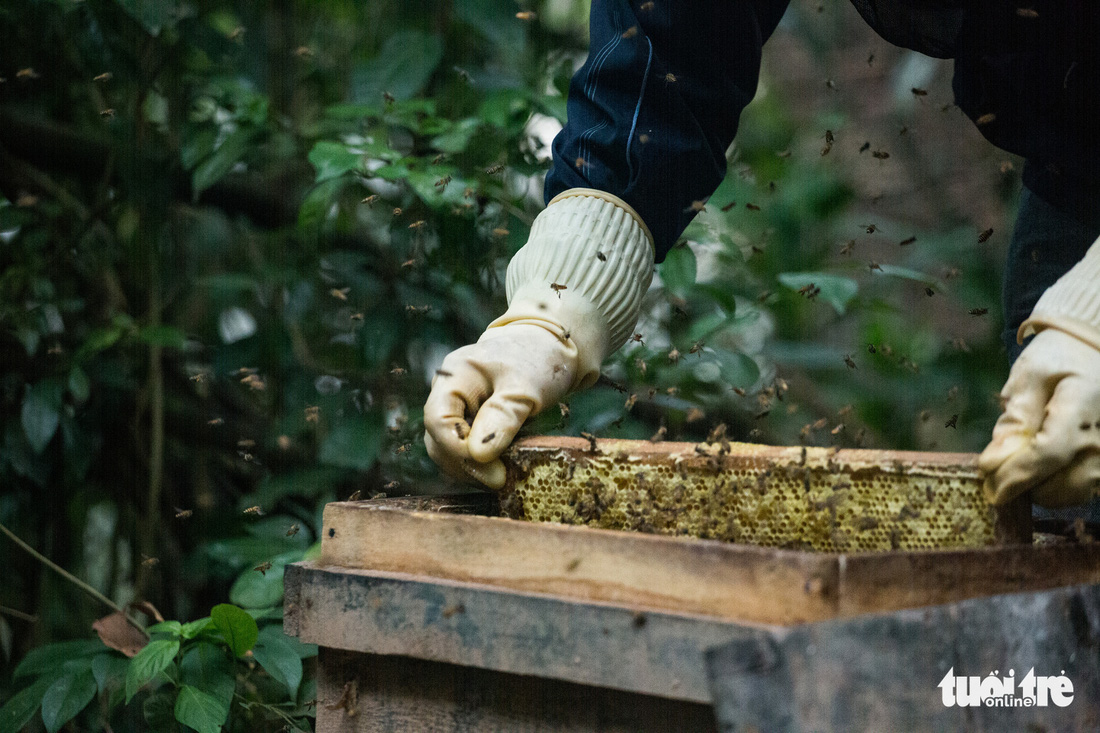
(437, 614)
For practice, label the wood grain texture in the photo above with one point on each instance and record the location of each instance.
(477, 626)
(882, 672)
(740, 583)
(402, 694)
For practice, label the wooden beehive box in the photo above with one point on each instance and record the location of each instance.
(439, 614)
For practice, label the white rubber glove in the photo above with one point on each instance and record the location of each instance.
(1048, 439)
(574, 293)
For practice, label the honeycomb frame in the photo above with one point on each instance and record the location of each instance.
(801, 498)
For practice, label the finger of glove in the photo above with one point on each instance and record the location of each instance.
(456, 391)
(1073, 486)
(1027, 397)
(497, 422)
(463, 468)
(1050, 449)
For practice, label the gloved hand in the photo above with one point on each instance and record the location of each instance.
(1048, 438)
(574, 293)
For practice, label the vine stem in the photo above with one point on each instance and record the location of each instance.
(61, 571)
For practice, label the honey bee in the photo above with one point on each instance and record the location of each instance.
(215, 421)
(907, 242)
(104, 77)
(340, 293)
(952, 422)
(369, 200)
(674, 355)
(254, 511)
(398, 211)
(818, 424)
(872, 265)
(849, 361)
(918, 92)
(27, 73)
(670, 78)
(646, 6)
(254, 381)
(865, 146)
(630, 32)
(528, 15)
(601, 256)
(406, 447)
(837, 430)
(149, 562)
(697, 206)
(312, 414)
(262, 568)
(929, 291)
(392, 485)
(847, 248)
(591, 441)
(397, 371)
(292, 530)
(697, 348)
(355, 495)
(845, 411)
(809, 291)
(985, 235)
(871, 349)
(985, 119)
(442, 182)
(557, 288)
(694, 414)
(184, 513)
(461, 430)
(500, 232)
(580, 162)
(752, 207)
(1027, 12)
(107, 113)
(978, 311)
(494, 169)
(659, 435)
(880, 154)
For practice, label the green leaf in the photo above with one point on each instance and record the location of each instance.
(318, 202)
(154, 15)
(157, 709)
(354, 443)
(169, 337)
(21, 707)
(149, 662)
(836, 290)
(332, 159)
(109, 670)
(678, 270)
(253, 589)
(191, 629)
(206, 666)
(65, 698)
(100, 339)
(214, 168)
(79, 386)
(40, 415)
(457, 138)
(166, 627)
(281, 660)
(201, 711)
(54, 656)
(238, 628)
(403, 66)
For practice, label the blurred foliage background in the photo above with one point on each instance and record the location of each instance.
(236, 240)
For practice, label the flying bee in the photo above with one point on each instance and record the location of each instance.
(27, 73)
(184, 513)
(262, 568)
(659, 435)
(312, 414)
(254, 511)
(845, 411)
(629, 404)
(340, 293)
(637, 337)
(752, 207)
(388, 98)
(398, 211)
(978, 311)
(418, 309)
(929, 291)
(849, 361)
(918, 92)
(872, 265)
(697, 348)
(369, 200)
(739, 391)
(557, 288)
(107, 113)
(409, 263)
(292, 530)
(442, 373)
(392, 485)
(809, 291)
(630, 32)
(694, 414)
(925, 415)
(880, 154)
(646, 6)
(952, 422)
(580, 162)
(494, 169)
(104, 77)
(697, 207)
(837, 430)
(355, 495)
(672, 391)
(674, 356)
(984, 236)
(870, 228)
(1027, 12)
(403, 448)
(985, 119)
(907, 242)
(500, 232)
(871, 349)
(829, 137)
(847, 248)
(818, 424)
(149, 562)
(670, 78)
(865, 147)
(527, 15)
(442, 182)
(564, 408)
(870, 58)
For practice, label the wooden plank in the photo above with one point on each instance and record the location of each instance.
(884, 672)
(644, 652)
(403, 694)
(740, 583)
(682, 575)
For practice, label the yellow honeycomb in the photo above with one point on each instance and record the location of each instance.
(797, 498)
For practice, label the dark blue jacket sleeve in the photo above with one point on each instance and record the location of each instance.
(654, 108)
